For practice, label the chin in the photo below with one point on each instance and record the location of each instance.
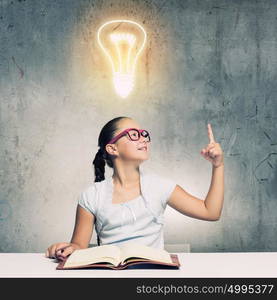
(140, 157)
(145, 158)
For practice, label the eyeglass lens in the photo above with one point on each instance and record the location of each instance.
(134, 135)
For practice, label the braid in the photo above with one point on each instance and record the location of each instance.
(102, 157)
(99, 166)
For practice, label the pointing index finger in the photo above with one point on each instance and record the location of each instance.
(210, 133)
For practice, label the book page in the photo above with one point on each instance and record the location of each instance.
(137, 250)
(105, 253)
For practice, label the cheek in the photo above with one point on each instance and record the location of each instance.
(128, 148)
(131, 147)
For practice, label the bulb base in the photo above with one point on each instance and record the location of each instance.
(123, 83)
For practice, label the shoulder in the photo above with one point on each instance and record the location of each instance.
(157, 189)
(89, 190)
(94, 191)
(90, 197)
(94, 187)
(159, 185)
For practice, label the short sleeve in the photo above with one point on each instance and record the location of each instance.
(87, 200)
(167, 186)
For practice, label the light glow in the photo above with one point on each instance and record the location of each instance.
(122, 41)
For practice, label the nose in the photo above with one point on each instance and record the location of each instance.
(143, 139)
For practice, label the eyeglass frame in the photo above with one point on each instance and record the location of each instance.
(123, 133)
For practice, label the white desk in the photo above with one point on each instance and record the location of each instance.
(193, 265)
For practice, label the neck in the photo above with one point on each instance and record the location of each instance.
(126, 176)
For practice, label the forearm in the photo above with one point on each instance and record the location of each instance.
(80, 240)
(83, 228)
(77, 245)
(215, 196)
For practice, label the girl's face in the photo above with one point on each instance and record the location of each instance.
(128, 149)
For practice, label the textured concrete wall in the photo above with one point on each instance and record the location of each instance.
(205, 61)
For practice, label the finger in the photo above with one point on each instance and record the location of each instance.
(60, 250)
(207, 157)
(208, 150)
(58, 253)
(52, 251)
(213, 153)
(203, 151)
(67, 251)
(210, 146)
(61, 258)
(54, 248)
(210, 134)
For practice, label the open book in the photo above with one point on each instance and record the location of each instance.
(120, 257)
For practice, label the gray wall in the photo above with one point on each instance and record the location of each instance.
(205, 61)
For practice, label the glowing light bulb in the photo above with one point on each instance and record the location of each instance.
(122, 42)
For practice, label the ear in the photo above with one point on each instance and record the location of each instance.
(111, 149)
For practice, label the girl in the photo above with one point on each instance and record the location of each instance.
(129, 205)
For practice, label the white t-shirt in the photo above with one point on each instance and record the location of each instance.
(138, 220)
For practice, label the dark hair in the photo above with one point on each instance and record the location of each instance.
(102, 157)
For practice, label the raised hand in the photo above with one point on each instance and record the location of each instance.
(213, 151)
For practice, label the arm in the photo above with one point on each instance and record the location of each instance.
(82, 233)
(209, 209)
(83, 228)
(215, 196)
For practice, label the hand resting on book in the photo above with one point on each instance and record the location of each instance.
(61, 250)
(119, 257)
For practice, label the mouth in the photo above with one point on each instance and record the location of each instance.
(143, 148)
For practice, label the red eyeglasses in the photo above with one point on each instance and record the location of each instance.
(133, 133)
